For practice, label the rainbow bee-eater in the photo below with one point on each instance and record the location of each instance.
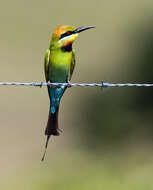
(59, 65)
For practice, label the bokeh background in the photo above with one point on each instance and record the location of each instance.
(107, 139)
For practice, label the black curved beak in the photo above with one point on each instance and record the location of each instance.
(83, 28)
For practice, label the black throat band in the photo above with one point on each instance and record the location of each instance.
(67, 48)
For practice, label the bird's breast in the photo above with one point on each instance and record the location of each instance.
(60, 66)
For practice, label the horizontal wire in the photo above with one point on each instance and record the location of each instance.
(102, 84)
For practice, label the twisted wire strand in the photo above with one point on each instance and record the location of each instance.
(102, 84)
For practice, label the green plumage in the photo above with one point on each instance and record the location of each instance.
(59, 65)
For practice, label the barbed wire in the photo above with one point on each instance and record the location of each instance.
(102, 84)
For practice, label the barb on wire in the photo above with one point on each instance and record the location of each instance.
(102, 84)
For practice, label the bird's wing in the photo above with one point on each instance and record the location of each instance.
(46, 64)
(73, 62)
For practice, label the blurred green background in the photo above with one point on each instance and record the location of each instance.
(107, 139)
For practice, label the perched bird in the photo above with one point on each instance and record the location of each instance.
(59, 66)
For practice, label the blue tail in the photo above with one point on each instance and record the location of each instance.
(55, 96)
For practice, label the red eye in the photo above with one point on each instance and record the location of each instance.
(66, 34)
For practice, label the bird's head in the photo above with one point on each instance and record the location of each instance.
(65, 35)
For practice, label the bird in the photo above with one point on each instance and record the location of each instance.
(59, 64)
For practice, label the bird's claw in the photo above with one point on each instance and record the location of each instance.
(41, 84)
(69, 84)
(102, 85)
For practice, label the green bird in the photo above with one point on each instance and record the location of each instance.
(59, 65)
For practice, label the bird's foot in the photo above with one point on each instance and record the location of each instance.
(41, 84)
(69, 84)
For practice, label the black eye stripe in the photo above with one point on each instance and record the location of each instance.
(66, 34)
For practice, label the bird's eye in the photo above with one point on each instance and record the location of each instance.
(66, 34)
